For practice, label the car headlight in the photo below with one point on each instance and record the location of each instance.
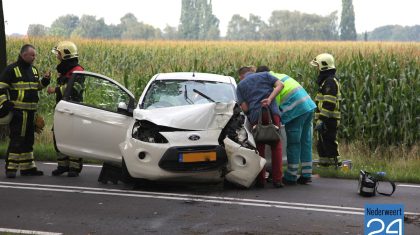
(148, 132)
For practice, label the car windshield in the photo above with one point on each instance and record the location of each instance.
(169, 93)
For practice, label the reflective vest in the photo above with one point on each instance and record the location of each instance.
(293, 100)
(322, 99)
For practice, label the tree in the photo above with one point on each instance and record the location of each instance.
(395, 33)
(90, 27)
(132, 29)
(287, 25)
(170, 33)
(64, 26)
(237, 28)
(37, 30)
(240, 28)
(347, 28)
(197, 20)
(3, 57)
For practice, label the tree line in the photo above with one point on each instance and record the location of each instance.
(197, 22)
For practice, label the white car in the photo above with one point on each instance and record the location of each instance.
(185, 127)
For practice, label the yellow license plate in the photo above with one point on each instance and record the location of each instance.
(197, 157)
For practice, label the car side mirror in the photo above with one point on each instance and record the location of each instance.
(122, 108)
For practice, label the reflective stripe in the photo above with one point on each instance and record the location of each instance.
(3, 85)
(307, 171)
(319, 97)
(3, 98)
(21, 94)
(17, 72)
(21, 156)
(74, 165)
(292, 172)
(285, 79)
(24, 86)
(295, 166)
(34, 71)
(12, 166)
(24, 105)
(294, 104)
(330, 114)
(330, 98)
(27, 165)
(284, 99)
(24, 122)
(306, 164)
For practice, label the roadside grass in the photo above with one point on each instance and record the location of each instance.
(401, 164)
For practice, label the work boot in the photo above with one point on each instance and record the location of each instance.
(60, 170)
(278, 184)
(288, 182)
(11, 174)
(73, 173)
(304, 180)
(31, 172)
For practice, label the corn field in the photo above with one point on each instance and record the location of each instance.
(380, 81)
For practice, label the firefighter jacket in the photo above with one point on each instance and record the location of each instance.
(293, 100)
(65, 70)
(21, 82)
(328, 96)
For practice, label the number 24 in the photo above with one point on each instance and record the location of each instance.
(399, 221)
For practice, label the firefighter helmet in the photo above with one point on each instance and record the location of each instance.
(66, 49)
(324, 62)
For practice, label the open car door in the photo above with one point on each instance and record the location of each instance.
(93, 117)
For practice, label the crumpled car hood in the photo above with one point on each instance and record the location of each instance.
(209, 116)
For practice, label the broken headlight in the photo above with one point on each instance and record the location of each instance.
(148, 132)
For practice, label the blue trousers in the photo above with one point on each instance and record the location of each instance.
(299, 146)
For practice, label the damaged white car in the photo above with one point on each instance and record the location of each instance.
(185, 127)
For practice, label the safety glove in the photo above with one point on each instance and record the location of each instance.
(39, 124)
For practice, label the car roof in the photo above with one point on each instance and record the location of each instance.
(195, 76)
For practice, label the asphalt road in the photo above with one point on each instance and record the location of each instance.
(62, 205)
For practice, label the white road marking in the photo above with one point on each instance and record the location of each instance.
(19, 231)
(190, 197)
(408, 185)
(84, 165)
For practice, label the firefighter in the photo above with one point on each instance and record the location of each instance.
(327, 115)
(66, 53)
(296, 111)
(19, 86)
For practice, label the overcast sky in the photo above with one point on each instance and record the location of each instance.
(159, 13)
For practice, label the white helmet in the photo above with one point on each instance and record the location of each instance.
(324, 62)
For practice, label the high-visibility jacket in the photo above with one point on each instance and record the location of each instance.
(328, 98)
(22, 81)
(293, 100)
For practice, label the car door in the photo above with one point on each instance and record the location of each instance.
(93, 117)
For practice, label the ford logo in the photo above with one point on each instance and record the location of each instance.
(194, 137)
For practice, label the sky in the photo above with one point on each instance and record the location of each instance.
(369, 14)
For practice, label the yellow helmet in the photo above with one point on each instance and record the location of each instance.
(66, 49)
(324, 62)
